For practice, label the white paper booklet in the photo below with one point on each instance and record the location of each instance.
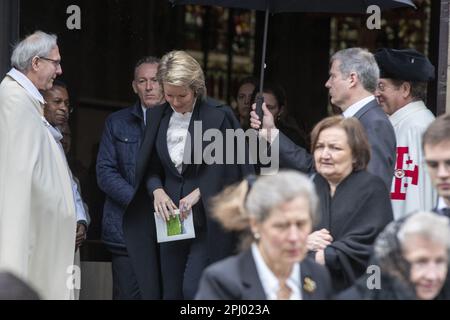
(174, 229)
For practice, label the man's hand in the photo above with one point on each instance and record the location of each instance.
(268, 131)
(268, 121)
(80, 235)
(188, 202)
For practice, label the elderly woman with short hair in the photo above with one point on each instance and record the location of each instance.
(354, 204)
(177, 175)
(412, 257)
(276, 213)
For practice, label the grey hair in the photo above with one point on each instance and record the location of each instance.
(178, 68)
(270, 191)
(361, 62)
(145, 60)
(428, 225)
(37, 44)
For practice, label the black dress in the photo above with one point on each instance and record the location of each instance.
(355, 215)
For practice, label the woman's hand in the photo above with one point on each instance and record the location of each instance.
(320, 257)
(188, 202)
(319, 240)
(164, 206)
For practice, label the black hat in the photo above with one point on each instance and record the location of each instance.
(406, 64)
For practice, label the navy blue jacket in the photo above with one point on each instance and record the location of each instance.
(116, 165)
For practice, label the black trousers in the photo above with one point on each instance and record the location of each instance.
(125, 285)
(182, 264)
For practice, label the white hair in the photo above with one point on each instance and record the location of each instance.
(428, 225)
(37, 44)
(270, 191)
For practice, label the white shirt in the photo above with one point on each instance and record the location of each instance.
(144, 112)
(270, 282)
(79, 208)
(26, 84)
(441, 204)
(354, 108)
(176, 137)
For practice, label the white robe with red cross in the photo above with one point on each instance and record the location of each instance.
(411, 189)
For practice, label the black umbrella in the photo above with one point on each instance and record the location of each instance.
(275, 6)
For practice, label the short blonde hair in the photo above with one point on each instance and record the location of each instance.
(178, 68)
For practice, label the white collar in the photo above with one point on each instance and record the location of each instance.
(354, 108)
(26, 84)
(186, 115)
(144, 114)
(406, 110)
(441, 204)
(270, 282)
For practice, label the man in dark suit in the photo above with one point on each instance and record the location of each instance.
(436, 148)
(353, 79)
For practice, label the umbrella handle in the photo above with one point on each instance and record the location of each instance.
(259, 99)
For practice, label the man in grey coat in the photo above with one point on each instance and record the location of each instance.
(353, 79)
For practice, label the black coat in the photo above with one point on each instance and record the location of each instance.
(236, 278)
(139, 224)
(355, 215)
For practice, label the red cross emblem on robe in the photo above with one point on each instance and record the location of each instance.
(402, 177)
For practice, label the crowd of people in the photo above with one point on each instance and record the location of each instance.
(368, 189)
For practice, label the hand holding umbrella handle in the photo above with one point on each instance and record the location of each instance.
(259, 99)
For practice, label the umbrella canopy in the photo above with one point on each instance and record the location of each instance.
(275, 6)
(324, 6)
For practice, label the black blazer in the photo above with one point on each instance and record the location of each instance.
(154, 169)
(236, 278)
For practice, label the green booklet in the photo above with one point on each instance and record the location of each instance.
(174, 229)
(174, 226)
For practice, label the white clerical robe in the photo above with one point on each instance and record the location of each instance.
(37, 211)
(411, 187)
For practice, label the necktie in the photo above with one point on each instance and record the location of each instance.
(284, 292)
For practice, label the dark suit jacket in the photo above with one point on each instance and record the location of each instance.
(381, 137)
(236, 278)
(382, 141)
(154, 169)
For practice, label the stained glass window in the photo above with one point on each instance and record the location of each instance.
(226, 37)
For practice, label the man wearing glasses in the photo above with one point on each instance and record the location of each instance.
(401, 92)
(37, 210)
(436, 149)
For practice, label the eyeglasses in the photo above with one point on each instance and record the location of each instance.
(381, 86)
(56, 63)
